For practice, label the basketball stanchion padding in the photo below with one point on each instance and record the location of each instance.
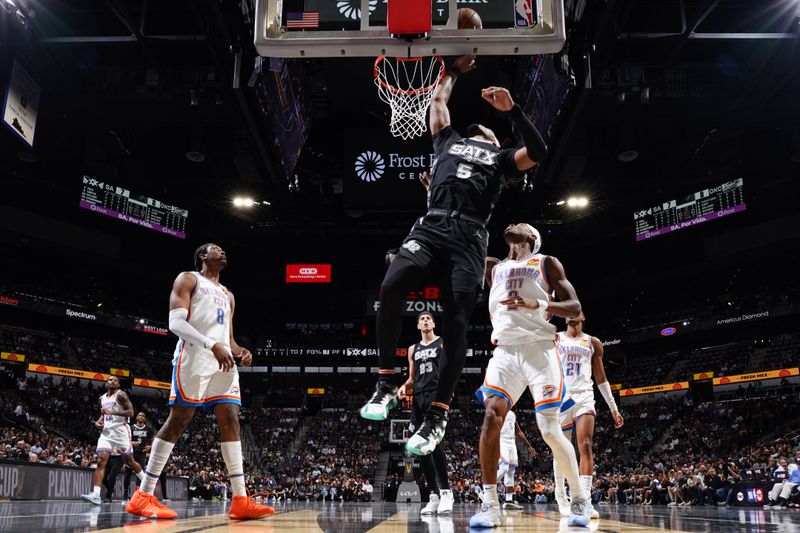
(407, 85)
(409, 17)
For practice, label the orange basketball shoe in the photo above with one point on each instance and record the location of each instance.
(148, 506)
(244, 508)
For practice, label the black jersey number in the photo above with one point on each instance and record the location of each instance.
(464, 171)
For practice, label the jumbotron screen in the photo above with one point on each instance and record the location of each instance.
(702, 206)
(143, 211)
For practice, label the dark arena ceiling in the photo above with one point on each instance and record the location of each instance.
(703, 92)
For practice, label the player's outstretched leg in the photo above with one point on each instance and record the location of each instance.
(403, 275)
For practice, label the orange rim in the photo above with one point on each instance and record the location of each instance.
(421, 90)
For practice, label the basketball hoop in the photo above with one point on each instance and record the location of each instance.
(407, 84)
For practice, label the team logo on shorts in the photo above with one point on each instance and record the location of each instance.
(548, 390)
(412, 246)
(233, 390)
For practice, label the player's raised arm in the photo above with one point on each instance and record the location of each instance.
(568, 305)
(599, 372)
(535, 149)
(488, 269)
(439, 114)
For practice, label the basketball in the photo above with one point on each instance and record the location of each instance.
(468, 19)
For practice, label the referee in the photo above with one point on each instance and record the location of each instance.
(449, 242)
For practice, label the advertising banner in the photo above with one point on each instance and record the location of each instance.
(21, 105)
(757, 376)
(381, 173)
(38, 481)
(80, 313)
(666, 387)
(69, 372)
(151, 383)
(7, 356)
(315, 392)
(120, 372)
(308, 273)
(703, 375)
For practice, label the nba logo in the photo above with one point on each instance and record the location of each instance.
(523, 14)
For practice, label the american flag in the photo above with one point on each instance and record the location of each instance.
(302, 19)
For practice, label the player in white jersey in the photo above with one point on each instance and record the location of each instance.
(581, 356)
(115, 435)
(509, 460)
(520, 304)
(204, 375)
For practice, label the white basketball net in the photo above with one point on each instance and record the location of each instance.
(407, 85)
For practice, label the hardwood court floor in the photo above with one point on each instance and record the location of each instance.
(35, 517)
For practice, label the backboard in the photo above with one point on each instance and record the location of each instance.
(336, 28)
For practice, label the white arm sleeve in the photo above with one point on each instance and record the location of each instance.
(605, 390)
(179, 325)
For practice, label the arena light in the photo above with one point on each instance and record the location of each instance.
(246, 202)
(577, 201)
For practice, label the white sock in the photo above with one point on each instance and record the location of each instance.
(509, 494)
(490, 495)
(563, 452)
(140, 474)
(159, 454)
(232, 453)
(586, 485)
(96, 491)
(561, 488)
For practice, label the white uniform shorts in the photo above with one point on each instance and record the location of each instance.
(584, 405)
(197, 380)
(115, 441)
(537, 366)
(508, 452)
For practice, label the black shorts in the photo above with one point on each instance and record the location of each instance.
(420, 405)
(455, 247)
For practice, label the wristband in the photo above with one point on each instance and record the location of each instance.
(543, 304)
(605, 391)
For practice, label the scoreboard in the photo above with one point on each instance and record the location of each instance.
(119, 203)
(702, 206)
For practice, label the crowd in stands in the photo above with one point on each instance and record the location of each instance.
(59, 349)
(334, 461)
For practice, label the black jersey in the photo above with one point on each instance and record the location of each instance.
(140, 437)
(426, 365)
(468, 175)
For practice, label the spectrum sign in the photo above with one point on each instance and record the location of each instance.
(308, 273)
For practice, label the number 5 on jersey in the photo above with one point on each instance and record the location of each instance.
(464, 171)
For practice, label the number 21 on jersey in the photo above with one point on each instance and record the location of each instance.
(573, 369)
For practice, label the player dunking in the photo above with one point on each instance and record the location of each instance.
(424, 363)
(450, 241)
(115, 435)
(204, 375)
(581, 356)
(520, 306)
